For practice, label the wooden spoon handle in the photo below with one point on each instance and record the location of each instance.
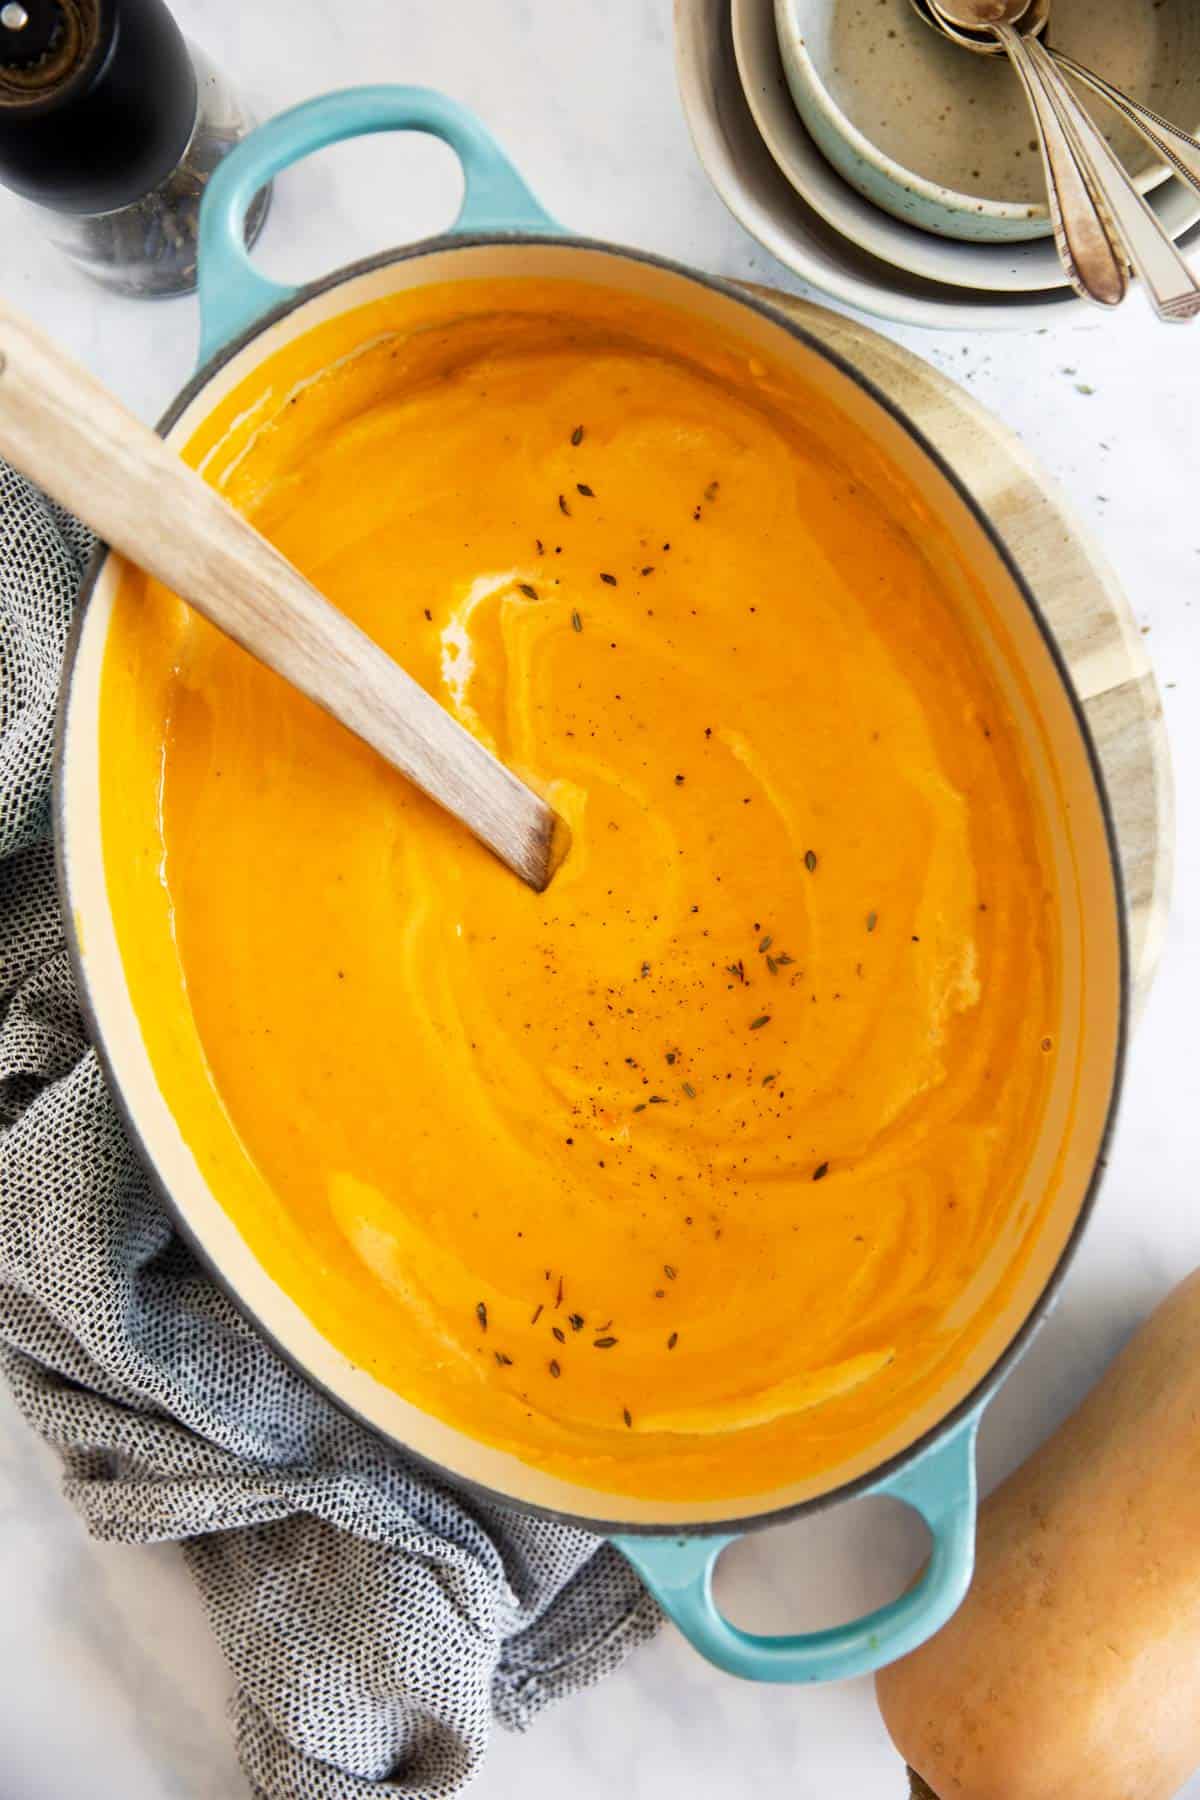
(66, 432)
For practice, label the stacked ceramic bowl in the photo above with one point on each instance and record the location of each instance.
(900, 173)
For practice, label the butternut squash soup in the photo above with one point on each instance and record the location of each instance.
(699, 1171)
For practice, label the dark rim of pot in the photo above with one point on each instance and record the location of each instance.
(988, 1383)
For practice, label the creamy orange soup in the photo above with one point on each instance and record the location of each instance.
(703, 1169)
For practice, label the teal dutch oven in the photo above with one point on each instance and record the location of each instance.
(502, 232)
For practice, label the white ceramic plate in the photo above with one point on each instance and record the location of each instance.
(761, 198)
(1002, 268)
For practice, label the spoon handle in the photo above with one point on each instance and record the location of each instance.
(1173, 289)
(1178, 148)
(60, 427)
(1090, 250)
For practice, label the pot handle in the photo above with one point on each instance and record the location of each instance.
(940, 1485)
(232, 292)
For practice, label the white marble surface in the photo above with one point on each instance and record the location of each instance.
(112, 1685)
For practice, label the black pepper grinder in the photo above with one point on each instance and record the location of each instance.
(111, 124)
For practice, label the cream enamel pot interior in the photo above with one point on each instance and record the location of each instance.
(502, 233)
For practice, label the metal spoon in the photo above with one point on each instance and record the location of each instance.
(1174, 145)
(981, 41)
(1178, 148)
(1132, 230)
(1088, 244)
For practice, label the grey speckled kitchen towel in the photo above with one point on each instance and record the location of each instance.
(377, 1621)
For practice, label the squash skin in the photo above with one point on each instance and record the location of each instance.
(1072, 1669)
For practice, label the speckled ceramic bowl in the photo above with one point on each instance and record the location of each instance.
(817, 225)
(943, 140)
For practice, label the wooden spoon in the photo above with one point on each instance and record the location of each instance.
(60, 427)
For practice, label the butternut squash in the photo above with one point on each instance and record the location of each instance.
(1072, 1670)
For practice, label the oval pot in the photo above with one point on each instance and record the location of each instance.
(502, 232)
